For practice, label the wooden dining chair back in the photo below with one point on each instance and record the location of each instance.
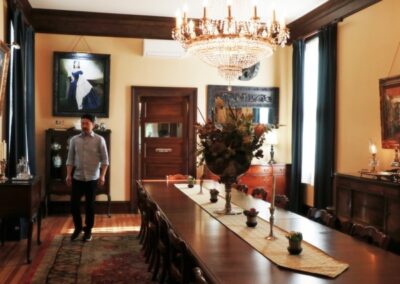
(152, 233)
(322, 216)
(199, 276)
(162, 253)
(177, 177)
(371, 235)
(179, 262)
(259, 192)
(343, 225)
(281, 201)
(243, 188)
(142, 203)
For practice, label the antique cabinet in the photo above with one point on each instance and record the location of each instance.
(261, 176)
(56, 152)
(369, 201)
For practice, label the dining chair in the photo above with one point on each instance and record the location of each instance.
(180, 265)
(371, 235)
(243, 188)
(344, 225)
(176, 177)
(142, 196)
(199, 276)
(152, 235)
(322, 216)
(259, 192)
(162, 253)
(281, 201)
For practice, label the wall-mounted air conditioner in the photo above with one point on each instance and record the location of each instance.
(162, 48)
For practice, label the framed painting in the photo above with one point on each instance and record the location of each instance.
(389, 89)
(261, 102)
(81, 84)
(4, 62)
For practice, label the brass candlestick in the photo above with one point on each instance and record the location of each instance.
(271, 236)
(373, 163)
(3, 164)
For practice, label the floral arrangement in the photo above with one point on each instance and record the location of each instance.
(294, 236)
(250, 213)
(228, 147)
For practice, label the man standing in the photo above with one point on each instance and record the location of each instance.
(88, 157)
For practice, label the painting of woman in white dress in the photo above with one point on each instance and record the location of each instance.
(81, 85)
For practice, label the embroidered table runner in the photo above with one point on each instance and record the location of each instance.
(311, 260)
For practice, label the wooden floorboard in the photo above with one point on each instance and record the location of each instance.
(13, 266)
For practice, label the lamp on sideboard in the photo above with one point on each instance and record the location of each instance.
(271, 139)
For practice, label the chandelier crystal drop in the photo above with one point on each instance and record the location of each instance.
(227, 44)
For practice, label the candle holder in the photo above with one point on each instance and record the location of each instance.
(271, 236)
(3, 164)
(373, 163)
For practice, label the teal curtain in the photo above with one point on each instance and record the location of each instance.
(296, 192)
(326, 115)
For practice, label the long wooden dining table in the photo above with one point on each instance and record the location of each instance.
(227, 258)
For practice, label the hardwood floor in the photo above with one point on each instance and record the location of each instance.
(13, 266)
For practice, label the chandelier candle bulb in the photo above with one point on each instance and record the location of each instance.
(372, 148)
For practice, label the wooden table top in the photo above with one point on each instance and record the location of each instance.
(229, 259)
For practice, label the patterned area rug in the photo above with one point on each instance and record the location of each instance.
(111, 258)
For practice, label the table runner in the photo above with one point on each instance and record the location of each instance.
(311, 260)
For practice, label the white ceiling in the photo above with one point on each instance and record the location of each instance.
(289, 9)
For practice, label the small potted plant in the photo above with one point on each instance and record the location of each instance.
(191, 181)
(295, 239)
(251, 215)
(214, 195)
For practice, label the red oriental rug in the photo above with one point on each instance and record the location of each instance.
(111, 258)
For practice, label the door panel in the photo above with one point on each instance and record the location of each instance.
(164, 124)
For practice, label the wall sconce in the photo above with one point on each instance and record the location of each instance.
(271, 139)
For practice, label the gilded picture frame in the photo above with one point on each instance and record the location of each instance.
(4, 64)
(389, 89)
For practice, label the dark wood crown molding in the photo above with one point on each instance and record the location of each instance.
(330, 12)
(120, 25)
(102, 24)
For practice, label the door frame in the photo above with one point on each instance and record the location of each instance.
(137, 92)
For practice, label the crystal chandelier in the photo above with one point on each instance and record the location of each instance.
(228, 44)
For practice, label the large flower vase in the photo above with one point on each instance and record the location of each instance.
(228, 175)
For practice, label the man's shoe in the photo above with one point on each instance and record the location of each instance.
(87, 237)
(75, 234)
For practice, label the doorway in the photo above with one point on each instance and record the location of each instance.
(163, 134)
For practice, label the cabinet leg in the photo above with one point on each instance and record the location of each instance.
(2, 230)
(28, 251)
(39, 225)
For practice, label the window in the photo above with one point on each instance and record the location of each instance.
(310, 91)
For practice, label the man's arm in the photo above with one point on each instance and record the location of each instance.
(70, 162)
(104, 162)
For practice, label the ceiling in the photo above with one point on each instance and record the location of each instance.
(289, 9)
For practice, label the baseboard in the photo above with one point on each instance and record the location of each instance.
(101, 207)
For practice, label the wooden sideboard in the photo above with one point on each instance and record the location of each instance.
(261, 176)
(369, 201)
(22, 199)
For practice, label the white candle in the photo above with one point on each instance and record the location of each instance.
(1, 151)
(372, 148)
(273, 192)
(5, 150)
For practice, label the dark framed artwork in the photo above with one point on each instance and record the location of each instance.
(261, 102)
(81, 84)
(389, 89)
(4, 62)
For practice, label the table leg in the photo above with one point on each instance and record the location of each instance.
(39, 225)
(28, 251)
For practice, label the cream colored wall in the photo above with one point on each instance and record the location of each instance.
(130, 68)
(367, 43)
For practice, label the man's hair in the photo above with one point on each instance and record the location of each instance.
(89, 116)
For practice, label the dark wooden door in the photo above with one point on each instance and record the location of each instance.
(163, 135)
